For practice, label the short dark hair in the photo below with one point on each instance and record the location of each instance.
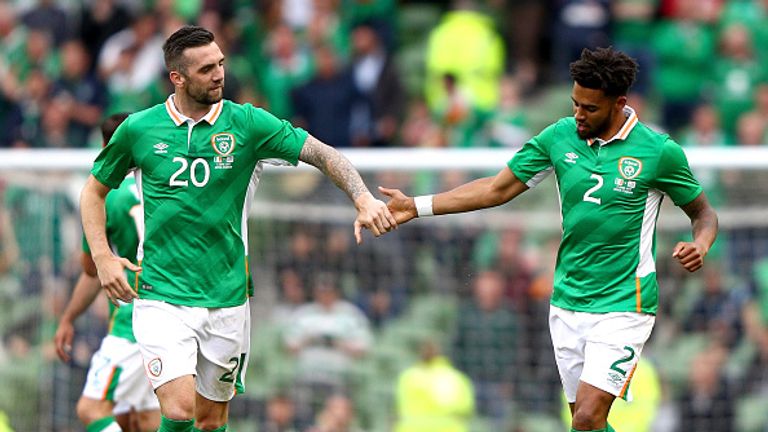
(605, 69)
(110, 124)
(186, 37)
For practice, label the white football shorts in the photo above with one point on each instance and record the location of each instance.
(117, 374)
(600, 349)
(209, 343)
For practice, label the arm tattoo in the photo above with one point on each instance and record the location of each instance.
(334, 165)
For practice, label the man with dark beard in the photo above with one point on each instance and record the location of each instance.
(198, 159)
(611, 172)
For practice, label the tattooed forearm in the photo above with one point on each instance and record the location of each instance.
(334, 165)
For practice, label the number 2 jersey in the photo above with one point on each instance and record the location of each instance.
(195, 181)
(610, 195)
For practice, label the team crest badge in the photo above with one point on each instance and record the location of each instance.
(223, 143)
(155, 367)
(630, 167)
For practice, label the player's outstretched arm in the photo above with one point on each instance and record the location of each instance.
(110, 267)
(477, 194)
(371, 212)
(85, 292)
(704, 227)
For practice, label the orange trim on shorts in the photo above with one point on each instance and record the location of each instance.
(109, 383)
(136, 279)
(638, 296)
(247, 276)
(624, 389)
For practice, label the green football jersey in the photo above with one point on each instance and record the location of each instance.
(123, 211)
(196, 181)
(610, 195)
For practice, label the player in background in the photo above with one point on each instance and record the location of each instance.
(611, 172)
(198, 159)
(117, 391)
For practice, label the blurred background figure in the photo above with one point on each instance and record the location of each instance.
(433, 395)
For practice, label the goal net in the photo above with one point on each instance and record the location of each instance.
(471, 288)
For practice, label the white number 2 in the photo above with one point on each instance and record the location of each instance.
(192, 172)
(588, 194)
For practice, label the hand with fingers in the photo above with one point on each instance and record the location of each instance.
(112, 277)
(62, 340)
(400, 205)
(373, 215)
(690, 255)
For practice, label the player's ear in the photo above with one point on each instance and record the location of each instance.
(177, 78)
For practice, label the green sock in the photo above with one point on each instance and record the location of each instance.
(169, 425)
(218, 429)
(608, 428)
(106, 424)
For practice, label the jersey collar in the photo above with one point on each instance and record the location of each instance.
(623, 133)
(179, 118)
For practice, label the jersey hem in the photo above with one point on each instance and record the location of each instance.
(603, 310)
(187, 303)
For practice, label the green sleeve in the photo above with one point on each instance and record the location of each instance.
(116, 159)
(275, 138)
(674, 176)
(86, 248)
(533, 158)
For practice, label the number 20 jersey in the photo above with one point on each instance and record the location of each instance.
(196, 180)
(610, 194)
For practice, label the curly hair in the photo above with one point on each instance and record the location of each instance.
(605, 69)
(186, 37)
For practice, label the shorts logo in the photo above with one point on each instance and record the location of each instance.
(155, 367)
(630, 167)
(223, 143)
(615, 379)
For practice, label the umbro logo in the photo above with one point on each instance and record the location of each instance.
(571, 157)
(161, 148)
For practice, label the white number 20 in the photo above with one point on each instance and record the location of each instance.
(192, 172)
(588, 194)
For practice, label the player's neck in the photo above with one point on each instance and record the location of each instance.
(616, 125)
(190, 107)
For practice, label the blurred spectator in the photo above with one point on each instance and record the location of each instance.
(33, 104)
(380, 14)
(327, 336)
(736, 75)
(280, 416)
(287, 66)
(704, 129)
(9, 249)
(464, 46)
(751, 130)
(756, 319)
(100, 19)
(632, 28)
(82, 96)
(457, 115)
(327, 28)
(685, 50)
(338, 415)
(717, 310)
(707, 404)
(508, 125)
(419, 129)
(752, 14)
(432, 395)
(36, 53)
(323, 106)
(579, 24)
(131, 62)
(292, 296)
(523, 40)
(301, 255)
(761, 101)
(487, 346)
(55, 129)
(377, 79)
(48, 16)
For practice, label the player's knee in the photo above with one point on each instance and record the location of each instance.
(149, 420)
(90, 410)
(586, 420)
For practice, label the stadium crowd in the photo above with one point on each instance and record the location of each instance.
(352, 333)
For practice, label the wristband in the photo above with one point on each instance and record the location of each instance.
(423, 205)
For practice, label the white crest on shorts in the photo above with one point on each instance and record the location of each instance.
(155, 367)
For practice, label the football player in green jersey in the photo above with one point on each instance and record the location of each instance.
(612, 172)
(198, 159)
(116, 390)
